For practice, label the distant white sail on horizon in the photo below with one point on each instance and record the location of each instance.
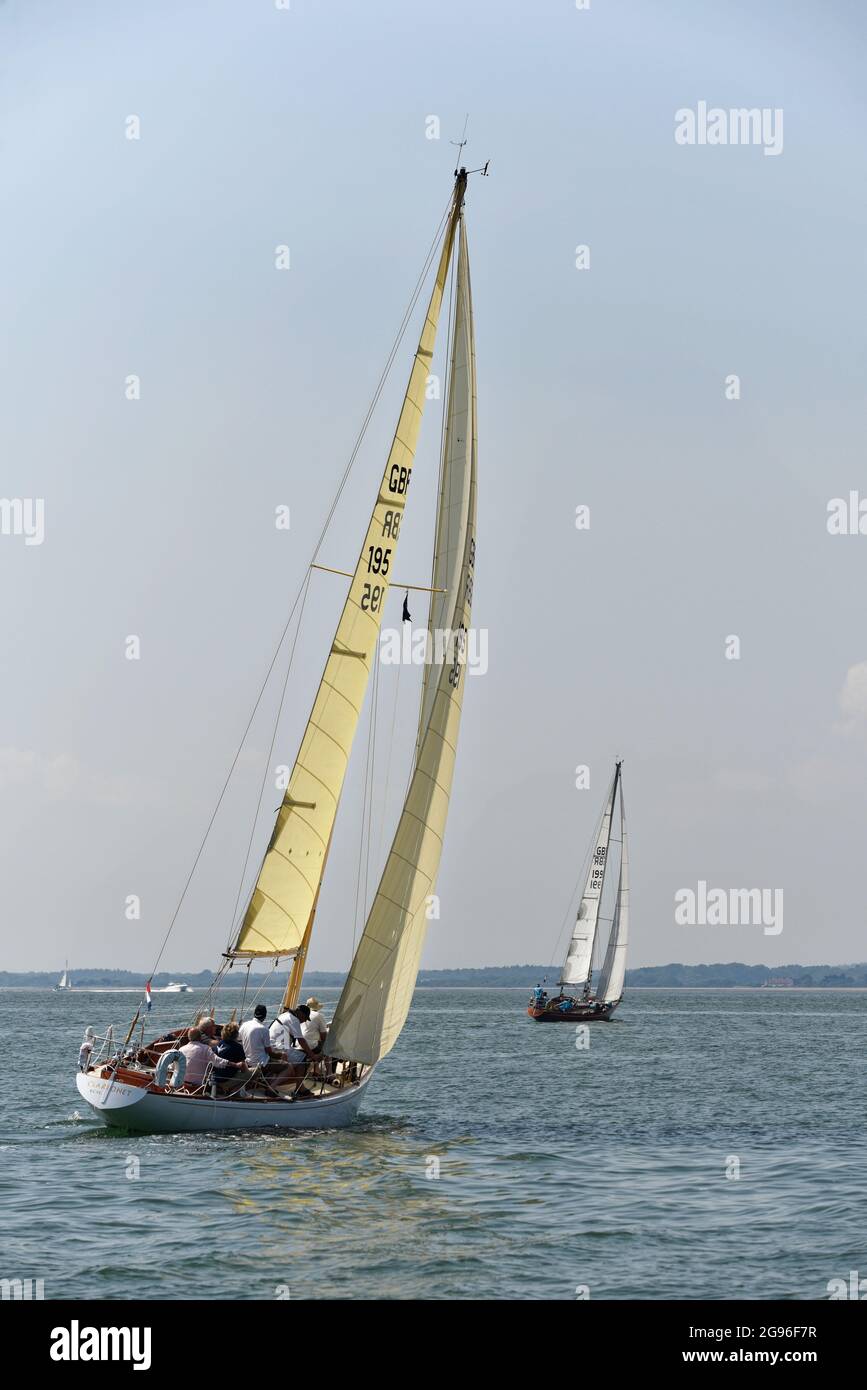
(611, 980)
(579, 957)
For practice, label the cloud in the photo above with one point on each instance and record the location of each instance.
(819, 780)
(743, 779)
(853, 699)
(63, 778)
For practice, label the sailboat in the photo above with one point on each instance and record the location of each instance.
(64, 982)
(132, 1086)
(576, 1002)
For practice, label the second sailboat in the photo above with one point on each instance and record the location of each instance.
(576, 1002)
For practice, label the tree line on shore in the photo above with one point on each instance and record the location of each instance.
(674, 976)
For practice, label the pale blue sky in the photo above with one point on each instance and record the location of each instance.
(605, 387)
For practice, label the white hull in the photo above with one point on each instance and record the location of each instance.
(133, 1108)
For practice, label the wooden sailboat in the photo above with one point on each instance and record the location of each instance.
(131, 1088)
(576, 1002)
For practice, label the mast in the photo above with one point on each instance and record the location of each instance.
(281, 909)
(296, 974)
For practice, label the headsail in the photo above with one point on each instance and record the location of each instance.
(610, 987)
(579, 957)
(456, 480)
(376, 997)
(285, 892)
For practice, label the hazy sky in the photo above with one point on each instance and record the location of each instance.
(604, 387)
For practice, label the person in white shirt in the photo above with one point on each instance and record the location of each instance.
(253, 1037)
(286, 1032)
(315, 1030)
(259, 1050)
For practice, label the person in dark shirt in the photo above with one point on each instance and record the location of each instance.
(232, 1052)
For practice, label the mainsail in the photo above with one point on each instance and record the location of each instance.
(284, 896)
(376, 997)
(610, 987)
(579, 957)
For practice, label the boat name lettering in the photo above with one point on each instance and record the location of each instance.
(460, 648)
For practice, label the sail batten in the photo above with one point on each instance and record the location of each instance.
(376, 997)
(279, 909)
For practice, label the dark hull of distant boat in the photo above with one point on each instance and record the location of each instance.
(581, 1013)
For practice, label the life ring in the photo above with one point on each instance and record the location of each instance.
(168, 1059)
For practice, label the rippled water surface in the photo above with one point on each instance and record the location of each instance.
(558, 1167)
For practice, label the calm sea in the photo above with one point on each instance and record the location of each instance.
(493, 1159)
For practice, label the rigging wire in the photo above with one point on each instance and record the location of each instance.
(373, 723)
(235, 921)
(384, 811)
(578, 885)
(366, 789)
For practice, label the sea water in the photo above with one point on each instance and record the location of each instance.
(706, 1144)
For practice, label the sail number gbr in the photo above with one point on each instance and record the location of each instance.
(598, 871)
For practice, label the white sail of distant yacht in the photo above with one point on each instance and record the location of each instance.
(139, 1087)
(576, 1000)
(64, 981)
(579, 957)
(610, 987)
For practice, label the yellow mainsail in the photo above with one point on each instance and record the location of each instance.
(376, 997)
(285, 892)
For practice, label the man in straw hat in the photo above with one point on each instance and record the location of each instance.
(315, 1030)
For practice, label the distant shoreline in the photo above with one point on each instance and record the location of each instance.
(675, 975)
(468, 989)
